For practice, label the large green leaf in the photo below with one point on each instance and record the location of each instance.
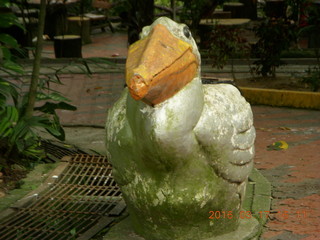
(3, 101)
(55, 96)
(50, 108)
(55, 129)
(12, 66)
(9, 19)
(8, 119)
(8, 89)
(33, 150)
(25, 126)
(99, 60)
(53, 125)
(6, 54)
(28, 146)
(8, 40)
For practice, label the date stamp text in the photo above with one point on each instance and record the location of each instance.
(301, 214)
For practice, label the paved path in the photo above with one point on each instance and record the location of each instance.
(104, 44)
(92, 95)
(294, 173)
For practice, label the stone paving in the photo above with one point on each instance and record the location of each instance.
(294, 173)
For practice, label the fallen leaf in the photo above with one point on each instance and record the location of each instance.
(279, 145)
(285, 128)
(263, 129)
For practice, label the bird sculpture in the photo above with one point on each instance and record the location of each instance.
(181, 150)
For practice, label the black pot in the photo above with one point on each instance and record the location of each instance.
(67, 46)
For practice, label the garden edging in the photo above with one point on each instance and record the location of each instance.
(282, 98)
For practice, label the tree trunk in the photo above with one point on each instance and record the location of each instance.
(173, 7)
(36, 63)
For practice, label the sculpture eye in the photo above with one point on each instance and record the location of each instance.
(186, 32)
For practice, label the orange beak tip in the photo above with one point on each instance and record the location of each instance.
(137, 87)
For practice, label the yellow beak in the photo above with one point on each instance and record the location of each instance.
(158, 66)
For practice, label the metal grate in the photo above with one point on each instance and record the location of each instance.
(83, 200)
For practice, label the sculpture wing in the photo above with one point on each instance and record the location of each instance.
(225, 132)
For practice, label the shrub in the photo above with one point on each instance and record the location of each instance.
(225, 43)
(275, 35)
(313, 78)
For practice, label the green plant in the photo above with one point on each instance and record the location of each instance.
(163, 2)
(313, 78)
(275, 35)
(294, 8)
(7, 42)
(311, 24)
(313, 74)
(195, 10)
(226, 43)
(19, 142)
(312, 29)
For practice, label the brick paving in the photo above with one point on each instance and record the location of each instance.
(104, 44)
(294, 173)
(92, 95)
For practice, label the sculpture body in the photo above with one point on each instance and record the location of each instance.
(180, 156)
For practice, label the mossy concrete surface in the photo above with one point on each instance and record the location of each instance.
(247, 230)
(258, 196)
(33, 180)
(282, 98)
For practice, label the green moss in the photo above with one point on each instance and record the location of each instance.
(31, 182)
(170, 118)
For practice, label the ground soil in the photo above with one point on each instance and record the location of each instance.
(11, 180)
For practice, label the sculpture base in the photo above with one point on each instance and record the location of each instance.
(248, 229)
(258, 198)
